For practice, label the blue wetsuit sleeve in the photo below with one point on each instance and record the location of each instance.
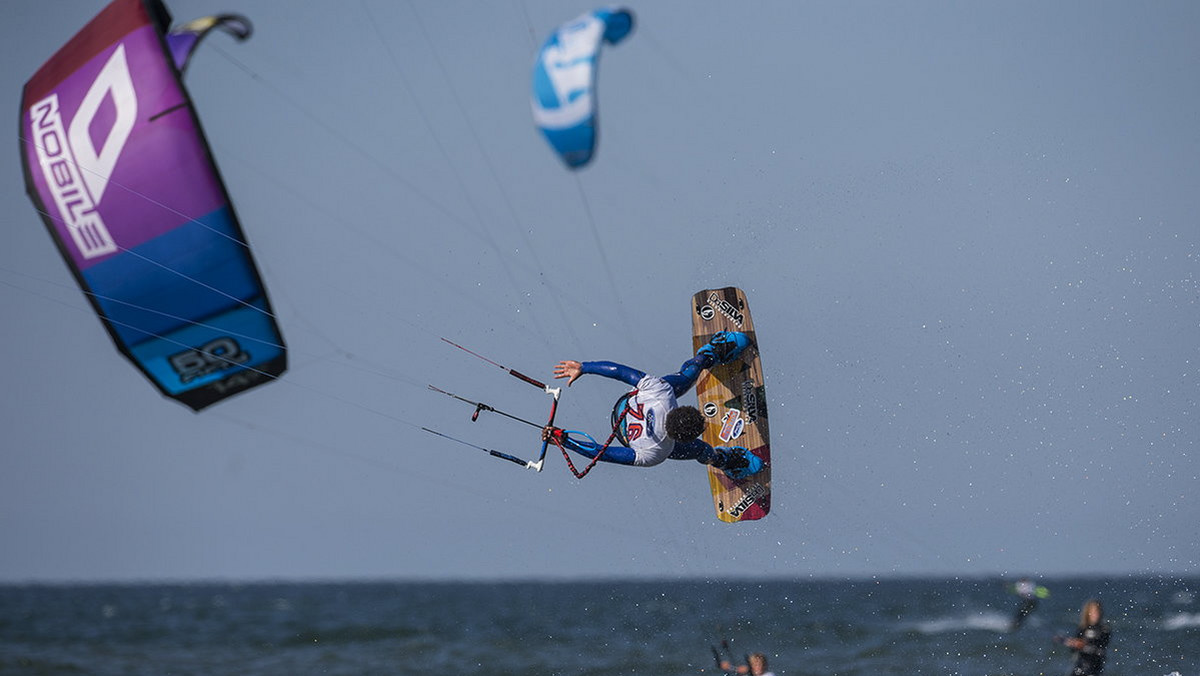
(696, 449)
(618, 454)
(608, 369)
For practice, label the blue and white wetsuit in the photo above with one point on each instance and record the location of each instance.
(645, 420)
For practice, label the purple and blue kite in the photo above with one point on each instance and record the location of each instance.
(118, 167)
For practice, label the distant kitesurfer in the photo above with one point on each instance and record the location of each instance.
(650, 421)
(1090, 641)
(756, 666)
(1030, 592)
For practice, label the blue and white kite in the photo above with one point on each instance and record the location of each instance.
(564, 80)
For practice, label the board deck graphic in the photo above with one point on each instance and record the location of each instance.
(733, 402)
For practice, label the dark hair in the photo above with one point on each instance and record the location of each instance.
(684, 423)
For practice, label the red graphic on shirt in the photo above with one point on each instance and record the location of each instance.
(633, 430)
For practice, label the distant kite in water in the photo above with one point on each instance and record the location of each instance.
(1030, 593)
(564, 82)
(117, 165)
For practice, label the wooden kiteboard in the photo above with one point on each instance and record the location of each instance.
(734, 405)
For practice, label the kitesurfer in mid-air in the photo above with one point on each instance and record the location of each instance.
(650, 421)
(1090, 641)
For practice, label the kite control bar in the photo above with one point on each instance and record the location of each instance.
(480, 407)
(554, 392)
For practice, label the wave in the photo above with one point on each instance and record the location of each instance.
(998, 622)
(1182, 621)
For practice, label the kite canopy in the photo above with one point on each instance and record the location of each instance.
(118, 167)
(564, 82)
(182, 40)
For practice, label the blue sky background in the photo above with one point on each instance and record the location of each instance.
(968, 232)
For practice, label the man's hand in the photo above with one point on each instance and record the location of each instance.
(568, 369)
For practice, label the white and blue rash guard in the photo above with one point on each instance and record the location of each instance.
(644, 423)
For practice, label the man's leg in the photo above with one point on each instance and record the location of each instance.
(725, 346)
(688, 373)
(735, 461)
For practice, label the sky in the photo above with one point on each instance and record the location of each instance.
(968, 234)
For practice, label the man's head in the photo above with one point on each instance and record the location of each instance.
(684, 423)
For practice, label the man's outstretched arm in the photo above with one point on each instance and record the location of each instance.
(571, 370)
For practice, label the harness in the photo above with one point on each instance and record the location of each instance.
(618, 416)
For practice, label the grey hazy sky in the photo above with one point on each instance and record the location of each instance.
(968, 232)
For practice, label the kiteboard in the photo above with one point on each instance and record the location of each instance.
(734, 405)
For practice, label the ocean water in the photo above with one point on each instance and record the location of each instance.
(806, 627)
